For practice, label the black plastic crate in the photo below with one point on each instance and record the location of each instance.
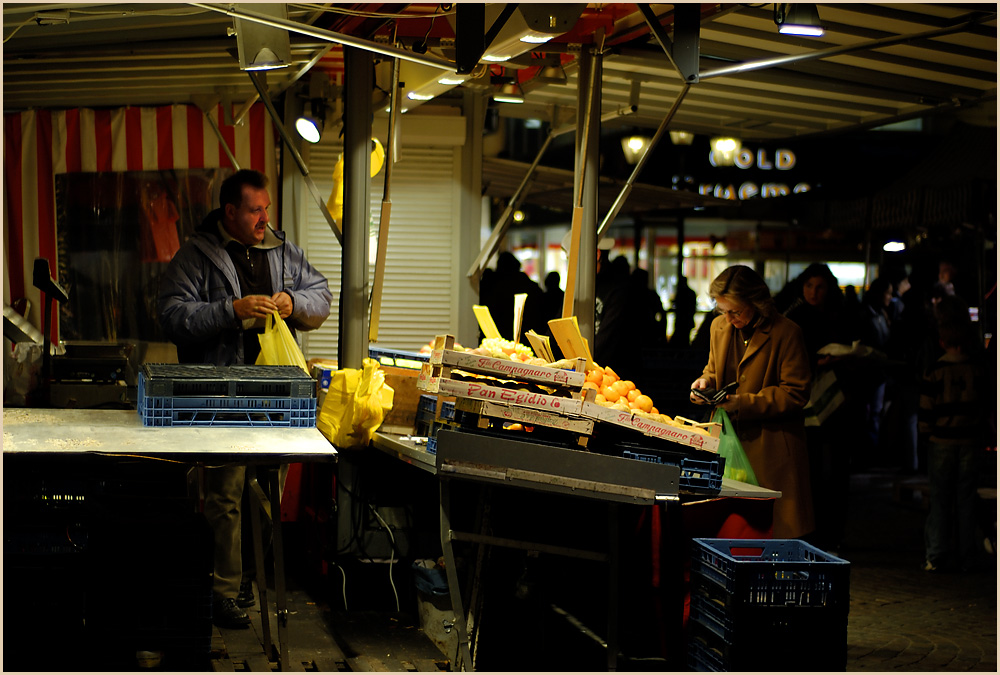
(204, 380)
(771, 572)
(697, 475)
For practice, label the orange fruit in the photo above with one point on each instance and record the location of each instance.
(595, 376)
(608, 371)
(600, 399)
(621, 388)
(632, 394)
(607, 380)
(630, 384)
(654, 410)
(590, 385)
(610, 393)
(633, 405)
(644, 403)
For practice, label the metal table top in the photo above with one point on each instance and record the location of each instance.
(52, 430)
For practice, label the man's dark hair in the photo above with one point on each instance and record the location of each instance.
(231, 191)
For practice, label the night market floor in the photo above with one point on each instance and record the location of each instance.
(901, 617)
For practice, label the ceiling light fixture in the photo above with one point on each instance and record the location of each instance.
(797, 18)
(263, 47)
(635, 147)
(422, 83)
(310, 126)
(509, 93)
(531, 24)
(681, 137)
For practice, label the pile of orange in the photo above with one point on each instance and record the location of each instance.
(612, 391)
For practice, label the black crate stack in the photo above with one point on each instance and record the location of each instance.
(767, 605)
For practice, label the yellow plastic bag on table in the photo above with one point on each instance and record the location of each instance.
(277, 345)
(356, 404)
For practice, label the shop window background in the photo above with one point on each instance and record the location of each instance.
(116, 232)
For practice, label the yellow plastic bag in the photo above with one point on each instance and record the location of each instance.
(356, 404)
(278, 347)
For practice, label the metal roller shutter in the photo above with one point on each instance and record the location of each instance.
(420, 289)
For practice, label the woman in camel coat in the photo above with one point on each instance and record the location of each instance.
(765, 354)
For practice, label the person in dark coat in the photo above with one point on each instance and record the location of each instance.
(213, 300)
(762, 351)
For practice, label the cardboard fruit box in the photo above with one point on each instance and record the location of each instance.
(405, 400)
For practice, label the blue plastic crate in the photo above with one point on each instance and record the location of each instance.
(432, 445)
(740, 627)
(769, 646)
(428, 404)
(771, 572)
(696, 474)
(235, 411)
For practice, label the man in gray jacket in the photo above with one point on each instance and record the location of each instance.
(217, 291)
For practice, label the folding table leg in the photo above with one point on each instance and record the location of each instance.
(258, 504)
(278, 551)
(463, 659)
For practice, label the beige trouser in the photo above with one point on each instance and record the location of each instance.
(224, 501)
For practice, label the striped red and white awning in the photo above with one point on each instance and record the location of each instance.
(38, 144)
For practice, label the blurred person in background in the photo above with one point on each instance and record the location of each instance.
(953, 419)
(818, 308)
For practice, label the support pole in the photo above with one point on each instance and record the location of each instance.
(383, 220)
(358, 83)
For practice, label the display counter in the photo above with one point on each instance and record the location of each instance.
(47, 434)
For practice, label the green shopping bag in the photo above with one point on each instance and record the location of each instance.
(737, 465)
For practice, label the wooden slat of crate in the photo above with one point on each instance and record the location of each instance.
(513, 413)
(670, 432)
(483, 391)
(509, 369)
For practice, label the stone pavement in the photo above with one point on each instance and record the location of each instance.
(902, 618)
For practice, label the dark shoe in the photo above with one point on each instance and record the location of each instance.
(227, 614)
(245, 598)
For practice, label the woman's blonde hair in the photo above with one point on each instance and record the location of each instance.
(743, 286)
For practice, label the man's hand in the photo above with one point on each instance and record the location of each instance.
(283, 301)
(256, 306)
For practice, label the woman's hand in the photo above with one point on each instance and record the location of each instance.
(700, 383)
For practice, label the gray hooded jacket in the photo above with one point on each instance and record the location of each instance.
(196, 294)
